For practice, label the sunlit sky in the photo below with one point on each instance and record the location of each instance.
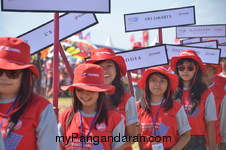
(112, 25)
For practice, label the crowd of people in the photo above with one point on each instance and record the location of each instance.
(184, 101)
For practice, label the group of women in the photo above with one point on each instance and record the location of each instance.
(179, 106)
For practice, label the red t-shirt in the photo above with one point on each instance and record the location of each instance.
(101, 130)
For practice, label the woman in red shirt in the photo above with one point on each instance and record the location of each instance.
(163, 121)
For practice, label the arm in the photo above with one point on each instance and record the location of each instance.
(118, 130)
(223, 121)
(2, 146)
(211, 134)
(183, 129)
(46, 130)
(210, 117)
(184, 138)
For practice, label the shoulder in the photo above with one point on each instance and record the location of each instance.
(114, 116)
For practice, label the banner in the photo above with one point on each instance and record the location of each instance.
(223, 51)
(221, 40)
(95, 6)
(201, 31)
(71, 23)
(208, 55)
(207, 44)
(159, 19)
(190, 40)
(144, 58)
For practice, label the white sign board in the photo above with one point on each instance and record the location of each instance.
(220, 40)
(143, 58)
(190, 40)
(57, 5)
(159, 19)
(71, 23)
(208, 55)
(223, 51)
(207, 44)
(201, 31)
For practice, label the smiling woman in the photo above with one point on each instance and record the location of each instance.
(22, 110)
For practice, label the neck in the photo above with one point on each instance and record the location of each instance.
(224, 72)
(89, 109)
(208, 82)
(156, 98)
(7, 96)
(186, 84)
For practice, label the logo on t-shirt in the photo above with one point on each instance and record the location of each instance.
(101, 127)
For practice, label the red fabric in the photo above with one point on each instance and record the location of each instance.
(29, 121)
(132, 38)
(15, 55)
(219, 80)
(89, 77)
(197, 122)
(113, 120)
(138, 72)
(168, 118)
(219, 94)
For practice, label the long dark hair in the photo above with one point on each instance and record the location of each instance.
(25, 96)
(197, 87)
(116, 98)
(146, 96)
(77, 105)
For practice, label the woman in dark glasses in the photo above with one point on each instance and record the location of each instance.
(27, 120)
(197, 100)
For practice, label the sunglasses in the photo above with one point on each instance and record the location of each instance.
(188, 67)
(11, 74)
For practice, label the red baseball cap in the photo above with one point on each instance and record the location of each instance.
(15, 55)
(108, 54)
(137, 45)
(187, 54)
(172, 77)
(217, 67)
(89, 77)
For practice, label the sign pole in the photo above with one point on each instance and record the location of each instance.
(55, 85)
(160, 36)
(130, 83)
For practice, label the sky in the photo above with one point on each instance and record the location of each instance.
(111, 25)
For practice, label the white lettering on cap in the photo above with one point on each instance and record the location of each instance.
(190, 54)
(90, 74)
(99, 53)
(2, 47)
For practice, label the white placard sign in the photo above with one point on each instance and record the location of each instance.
(191, 40)
(159, 19)
(201, 31)
(102, 6)
(71, 23)
(208, 55)
(143, 58)
(220, 40)
(207, 44)
(223, 51)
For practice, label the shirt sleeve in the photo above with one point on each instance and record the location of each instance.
(46, 130)
(118, 131)
(222, 119)
(182, 121)
(2, 146)
(210, 108)
(131, 112)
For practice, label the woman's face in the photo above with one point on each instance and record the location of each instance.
(157, 85)
(10, 82)
(186, 71)
(109, 71)
(87, 98)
